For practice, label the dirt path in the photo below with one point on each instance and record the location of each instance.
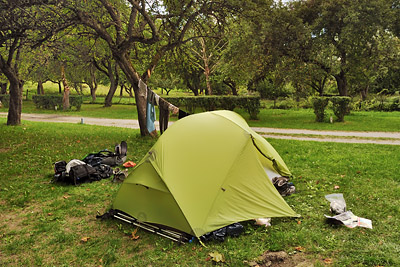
(386, 138)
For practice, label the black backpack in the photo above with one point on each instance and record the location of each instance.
(107, 157)
(82, 173)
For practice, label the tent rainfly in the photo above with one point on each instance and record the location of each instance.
(207, 171)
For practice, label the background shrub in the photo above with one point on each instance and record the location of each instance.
(55, 101)
(5, 100)
(340, 106)
(249, 103)
(319, 105)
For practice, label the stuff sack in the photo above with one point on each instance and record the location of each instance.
(82, 173)
(107, 157)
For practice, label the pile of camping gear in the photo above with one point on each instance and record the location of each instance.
(93, 167)
(205, 174)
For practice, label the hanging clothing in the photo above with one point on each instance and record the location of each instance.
(143, 87)
(151, 118)
(150, 112)
(164, 114)
(182, 114)
(164, 107)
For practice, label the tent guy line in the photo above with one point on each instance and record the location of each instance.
(391, 138)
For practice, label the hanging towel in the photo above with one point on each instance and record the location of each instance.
(151, 118)
(150, 109)
(143, 87)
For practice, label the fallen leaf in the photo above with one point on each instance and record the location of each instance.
(342, 176)
(52, 188)
(208, 258)
(85, 239)
(49, 214)
(87, 189)
(300, 249)
(217, 257)
(134, 236)
(358, 172)
(65, 197)
(80, 201)
(78, 141)
(328, 261)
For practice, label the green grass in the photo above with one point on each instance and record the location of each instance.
(305, 119)
(296, 119)
(42, 223)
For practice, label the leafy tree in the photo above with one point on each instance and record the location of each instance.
(374, 63)
(268, 32)
(343, 33)
(179, 63)
(22, 24)
(161, 25)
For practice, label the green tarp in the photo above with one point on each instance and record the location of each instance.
(207, 171)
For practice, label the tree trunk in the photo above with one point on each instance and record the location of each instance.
(114, 78)
(192, 88)
(121, 91)
(15, 105)
(207, 71)
(140, 96)
(93, 83)
(364, 93)
(66, 90)
(40, 90)
(231, 84)
(77, 87)
(341, 81)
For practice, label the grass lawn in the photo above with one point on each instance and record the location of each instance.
(43, 223)
(295, 119)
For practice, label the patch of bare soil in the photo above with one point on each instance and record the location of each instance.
(281, 259)
(11, 220)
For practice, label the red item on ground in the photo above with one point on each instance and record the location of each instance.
(129, 164)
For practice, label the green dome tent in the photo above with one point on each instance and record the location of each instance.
(207, 171)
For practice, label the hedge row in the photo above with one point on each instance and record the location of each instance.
(56, 101)
(250, 103)
(5, 100)
(340, 107)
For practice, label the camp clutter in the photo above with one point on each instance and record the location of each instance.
(206, 172)
(94, 167)
(342, 215)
